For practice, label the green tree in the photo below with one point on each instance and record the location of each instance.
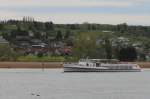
(39, 26)
(59, 36)
(1, 26)
(122, 28)
(67, 34)
(6, 36)
(108, 48)
(49, 26)
(85, 46)
(128, 54)
(7, 54)
(107, 44)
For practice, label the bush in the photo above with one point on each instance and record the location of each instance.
(40, 54)
(6, 53)
(33, 58)
(128, 54)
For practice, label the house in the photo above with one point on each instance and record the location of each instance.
(120, 42)
(3, 41)
(67, 50)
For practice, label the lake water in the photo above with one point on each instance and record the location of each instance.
(54, 84)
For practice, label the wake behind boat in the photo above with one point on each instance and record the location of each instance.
(101, 65)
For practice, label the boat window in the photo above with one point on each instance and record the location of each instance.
(97, 64)
(87, 64)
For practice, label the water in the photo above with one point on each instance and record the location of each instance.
(54, 84)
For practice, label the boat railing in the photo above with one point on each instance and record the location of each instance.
(70, 63)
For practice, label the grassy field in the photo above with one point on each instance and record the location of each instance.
(32, 58)
(31, 64)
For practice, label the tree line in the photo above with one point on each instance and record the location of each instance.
(94, 40)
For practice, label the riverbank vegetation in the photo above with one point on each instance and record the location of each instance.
(70, 42)
(33, 58)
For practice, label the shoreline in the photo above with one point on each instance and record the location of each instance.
(143, 64)
(49, 64)
(31, 64)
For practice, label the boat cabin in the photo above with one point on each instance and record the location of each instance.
(96, 62)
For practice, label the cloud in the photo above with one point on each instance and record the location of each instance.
(71, 3)
(99, 18)
(72, 10)
(78, 11)
(80, 18)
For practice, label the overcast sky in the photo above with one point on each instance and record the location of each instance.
(133, 12)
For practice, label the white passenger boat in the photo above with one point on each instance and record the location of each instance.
(100, 65)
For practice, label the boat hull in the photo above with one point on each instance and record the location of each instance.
(98, 69)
